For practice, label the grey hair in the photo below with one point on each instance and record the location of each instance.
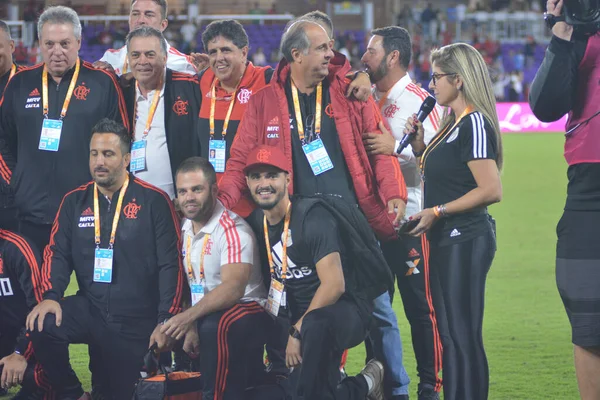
(60, 15)
(295, 37)
(146, 31)
(4, 27)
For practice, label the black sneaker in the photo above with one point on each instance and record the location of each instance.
(3, 392)
(427, 392)
(374, 370)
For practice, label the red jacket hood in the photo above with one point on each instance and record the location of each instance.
(338, 66)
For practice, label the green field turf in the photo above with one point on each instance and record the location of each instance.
(526, 331)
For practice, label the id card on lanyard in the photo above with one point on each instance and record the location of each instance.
(217, 149)
(315, 150)
(52, 128)
(277, 295)
(138, 148)
(103, 258)
(197, 284)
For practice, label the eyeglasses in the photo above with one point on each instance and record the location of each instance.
(435, 77)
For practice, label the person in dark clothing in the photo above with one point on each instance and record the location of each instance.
(8, 69)
(460, 169)
(121, 237)
(566, 83)
(46, 114)
(20, 290)
(310, 279)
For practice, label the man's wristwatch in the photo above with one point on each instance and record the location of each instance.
(294, 332)
(552, 19)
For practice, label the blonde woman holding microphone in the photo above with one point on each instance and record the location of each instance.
(460, 169)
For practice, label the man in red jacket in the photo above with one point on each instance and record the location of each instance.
(304, 112)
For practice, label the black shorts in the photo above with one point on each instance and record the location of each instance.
(578, 273)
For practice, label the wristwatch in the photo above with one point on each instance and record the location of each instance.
(552, 19)
(294, 332)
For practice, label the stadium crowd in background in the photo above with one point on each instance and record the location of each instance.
(430, 27)
(308, 151)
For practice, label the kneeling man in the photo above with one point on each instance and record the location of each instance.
(227, 317)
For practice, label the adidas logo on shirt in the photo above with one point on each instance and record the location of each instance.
(413, 253)
(455, 233)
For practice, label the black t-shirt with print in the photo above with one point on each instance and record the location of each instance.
(447, 176)
(319, 238)
(335, 181)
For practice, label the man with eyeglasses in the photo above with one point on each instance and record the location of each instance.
(386, 59)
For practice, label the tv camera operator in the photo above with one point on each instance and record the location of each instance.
(566, 83)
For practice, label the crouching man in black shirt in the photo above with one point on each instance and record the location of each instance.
(311, 278)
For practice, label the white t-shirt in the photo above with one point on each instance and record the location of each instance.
(176, 60)
(158, 164)
(403, 100)
(231, 241)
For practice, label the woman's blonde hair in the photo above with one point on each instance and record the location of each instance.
(464, 60)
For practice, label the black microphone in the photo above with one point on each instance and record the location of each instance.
(424, 111)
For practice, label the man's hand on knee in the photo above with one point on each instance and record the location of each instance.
(39, 313)
(191, 343)
(293, 356)
(13, 371)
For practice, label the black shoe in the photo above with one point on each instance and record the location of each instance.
(427, 392)
(3, 392)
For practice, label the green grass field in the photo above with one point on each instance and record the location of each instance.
(526, 331)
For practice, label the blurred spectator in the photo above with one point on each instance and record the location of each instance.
(461, 12)
(477, 43)
(256, 10)
(517, 59)
(35, 55)
(259, 58)
(424, 64)
(529, 51)
(516, 86)
(452, 14)
(428, 19)
(273, 9)
(492, 47)
(275, 56)
(405, 18)
(190, 47)
(29, 19)
(500, 83)
(119, 34)
(188, 33)
(21, 54)
(105, 38)
(498, 66)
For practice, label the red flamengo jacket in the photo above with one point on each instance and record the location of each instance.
(377, 179)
